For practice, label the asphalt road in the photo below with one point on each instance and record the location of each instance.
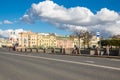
(34, 66)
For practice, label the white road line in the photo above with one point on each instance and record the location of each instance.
(114, 59)
(66, 61)
(90, 61)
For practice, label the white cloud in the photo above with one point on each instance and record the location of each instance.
(26, 18)
(6, 33)
(7, 22)
(104, 20)
(107, 15)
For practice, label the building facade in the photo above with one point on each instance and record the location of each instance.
(64, 42)
(94, 42)
(30, 39)
(42, 40)
(27, 39)
(46, 40)
(5, 42)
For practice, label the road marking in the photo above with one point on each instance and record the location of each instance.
(90, 61)
(66, 61)
(114, 59)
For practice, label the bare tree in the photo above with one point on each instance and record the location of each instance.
(79, 34)
(72, 37)
(86, 38)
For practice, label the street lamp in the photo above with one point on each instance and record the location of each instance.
(99, 40)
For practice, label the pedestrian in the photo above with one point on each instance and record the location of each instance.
(108, 50)
(98, 50)
(74, 50)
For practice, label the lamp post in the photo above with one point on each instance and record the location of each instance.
(99, 40)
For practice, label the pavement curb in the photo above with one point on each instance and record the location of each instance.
(103, 56)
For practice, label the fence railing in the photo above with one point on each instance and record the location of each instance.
(69, 51)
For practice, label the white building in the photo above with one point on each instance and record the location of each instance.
(94, 41)
(13, 38)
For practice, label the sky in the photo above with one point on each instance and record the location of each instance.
(60, 16)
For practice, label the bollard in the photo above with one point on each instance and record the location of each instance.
(53, 50)
(44, 50)
(37, 50)
(21, 50)
(25, 50)
(63, 50)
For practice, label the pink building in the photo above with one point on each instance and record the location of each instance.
(64, 43)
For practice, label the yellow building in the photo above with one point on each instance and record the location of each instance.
(28, 39)
(46, 40)
(5, 42)
(42, 40)
(77, 42)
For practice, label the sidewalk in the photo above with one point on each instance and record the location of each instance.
(86, 55)
(100, 56)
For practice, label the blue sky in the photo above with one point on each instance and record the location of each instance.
(11, 12)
